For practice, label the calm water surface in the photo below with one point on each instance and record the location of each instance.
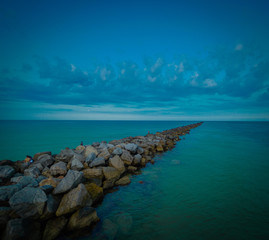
(213, 185)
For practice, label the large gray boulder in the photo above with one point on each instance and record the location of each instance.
(6, 192)
(45, 159)
(90, 149)
(71, 180)
(6, 171)
(54, 227)
(37, 155)
(131, 147)
(137, 159)
(76, 164)
(82, 218)
(90, 157)
(104, 154)
(27, 181)
(93, 173)
(100, 161)
(117, 151)
(140, 150)
(126, 157)
(32, 171)
(111, 173)
(117, 163)
(58, 168)
(51, 207)
(28, 202)
(65, 155)
(73, 200)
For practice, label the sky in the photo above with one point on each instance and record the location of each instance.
(134, 60)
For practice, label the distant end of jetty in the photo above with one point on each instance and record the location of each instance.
(55, 194)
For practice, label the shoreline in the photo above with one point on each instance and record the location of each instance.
(57, 193)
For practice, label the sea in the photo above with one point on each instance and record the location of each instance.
(213, 185)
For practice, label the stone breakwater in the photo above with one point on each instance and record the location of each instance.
(57, 194)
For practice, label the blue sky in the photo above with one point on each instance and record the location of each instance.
(140, 60)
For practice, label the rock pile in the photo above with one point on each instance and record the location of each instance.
(58, 193)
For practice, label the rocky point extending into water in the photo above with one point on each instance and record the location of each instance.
(57, 194)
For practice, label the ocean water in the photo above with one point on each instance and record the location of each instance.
(213, 185)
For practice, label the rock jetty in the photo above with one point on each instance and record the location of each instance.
(58, 193)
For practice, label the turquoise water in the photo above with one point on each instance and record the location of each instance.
(213, 185)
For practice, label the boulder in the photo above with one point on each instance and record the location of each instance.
(28, 202)
(71, 180)
(93, 173)
(95, 191)
(58, 168)
(32, 171)
(123, 181)
(76, 164)
(65, 155)
(73, 200)
(39, 154)
(100, 161)
(90, 157)
(104, 154)
(131, 147)
(126, 157)
(82, 218)
(54, 227)
(38, 165)
(111, 173)
(80, 148)
(140, 150)
(132, 169)
(47, 188)
(6, 192)
(45, 159)
(15, 230)
(159, 148)
(46, 172)
(49, 181)
(117, 163)
(51, 207)
(28, 181)
(90, 149)
(6, 171)
(117, 151)
(137, 159)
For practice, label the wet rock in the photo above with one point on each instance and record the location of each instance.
(82, 218)
(71, 180)
(6, 192)
(132, 169)
(6, 171)
(54, 228)
(123, 181)
(33, 172)
(90, 149)
(74, 200)
(137, 159)
(117, 151)
(37, 155)
(131, 147)
(58, 168)
(100, 161)
(90, 157)
(28, 202)
(76, 164)
(28, 181)
(117, 163)
(126, 157)
(104, 154)
(95, 191)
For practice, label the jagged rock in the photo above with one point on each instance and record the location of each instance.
(6, 171)
(111, 173)
(100, 161)
(51, 207)
(126, 157)
(40, 178)
(117, 151)
(54, 228)
(6, 192)
(140, 150)
(95, 191)
(15, 179)
(132, 169)
(93, 173)
(58, 168)
(28, 181)
(45, 159)
(38, 165)
(137, 159)
(89, 149)
(49, 181)
(33, 172)
(46, 172)
(131, 147)
(104, 154)
(76, 164)
(47, 188)
(143, 162)
(123, 181)
(28, 202)
(90, 157)
(82, 218)
(74, 200)
(65, 155)
(117, 163)
(159, 148)
(39, 154)
(80, 148)
(71, 180)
